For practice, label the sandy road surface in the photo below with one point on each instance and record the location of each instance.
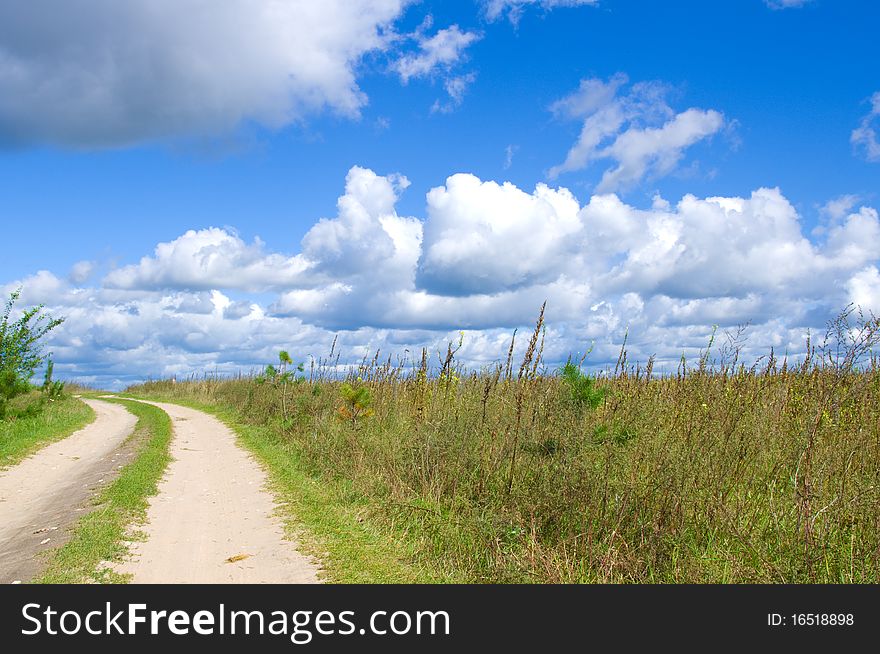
(46, 492)
(212, 506)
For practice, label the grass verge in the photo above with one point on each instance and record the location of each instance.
(326, 516)
(22, 436)
(100, 535)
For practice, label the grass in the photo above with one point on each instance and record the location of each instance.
(22, 436)
(100, 535)
(720, 473)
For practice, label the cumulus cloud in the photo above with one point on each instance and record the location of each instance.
(113, 341)
(864, 137)
(98, 73)
(367, 241)
(514, 8)
(483, 237)
(864, 288)
(360, 258)
(483, 258)
(636, 130)
(206, 259)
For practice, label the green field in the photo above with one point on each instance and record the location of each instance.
(721, 473)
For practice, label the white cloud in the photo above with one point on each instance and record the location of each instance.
(837, 208)
(81, 271)
(367, 241)
(514, 8)
(439, 56)
(637, 130)
(455, 88)
(864, 137)
(592, 95)
(857, 239)
(864, 288)
(441, 51)
(509, 152)
(206, 259)
(483, 259)
(102, 73)
(656, 150)
(483, 238)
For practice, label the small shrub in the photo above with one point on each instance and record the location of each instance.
(52, 389)
(582, 388)
(356, 401)
(20, 349)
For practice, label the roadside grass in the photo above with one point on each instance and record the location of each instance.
(719, 472)
(24, 435)
(100, 534)
(326, 517)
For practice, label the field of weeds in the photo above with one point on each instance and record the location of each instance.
(724, 472)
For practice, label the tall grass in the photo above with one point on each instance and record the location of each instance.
(721, 472)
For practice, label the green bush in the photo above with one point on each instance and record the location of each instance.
(582, 388)
(21, 351)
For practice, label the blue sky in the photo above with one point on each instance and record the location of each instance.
(708, 99)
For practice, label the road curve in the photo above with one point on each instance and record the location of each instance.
(46, 492)
(213, 520)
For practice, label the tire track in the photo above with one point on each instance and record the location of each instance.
(47, 492)
(213, 520)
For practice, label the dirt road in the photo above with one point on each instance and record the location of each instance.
(213, 519)
(41, 496)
